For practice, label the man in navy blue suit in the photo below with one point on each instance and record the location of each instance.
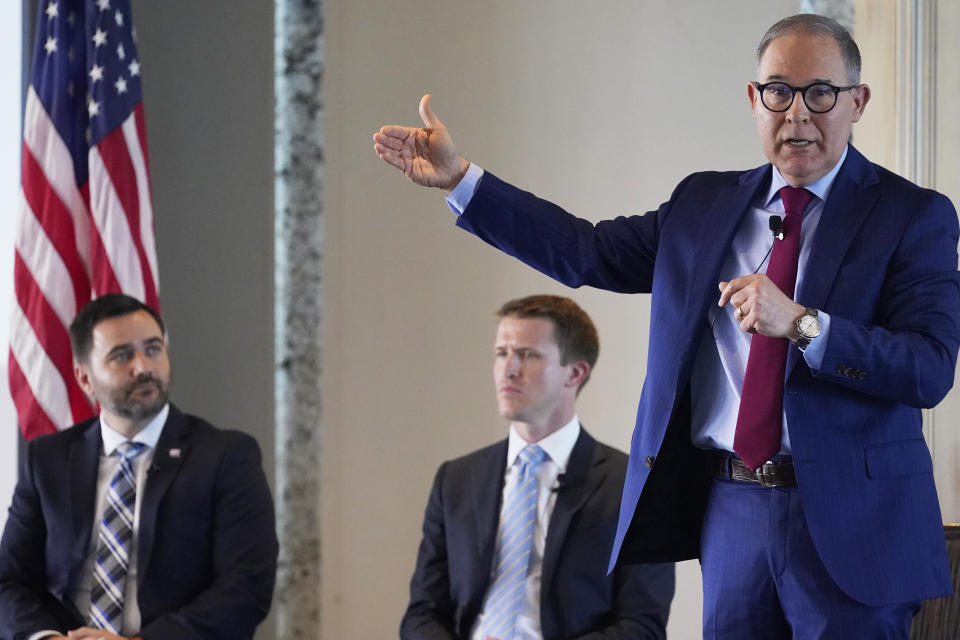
(778, 437)
(544, 351)
(143, 522)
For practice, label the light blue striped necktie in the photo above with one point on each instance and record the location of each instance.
(516, 541)
(113, 543)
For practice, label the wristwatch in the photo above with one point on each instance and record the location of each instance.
(808, 328)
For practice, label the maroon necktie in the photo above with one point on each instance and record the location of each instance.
(760, 421)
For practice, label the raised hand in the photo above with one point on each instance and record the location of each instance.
(427, 156)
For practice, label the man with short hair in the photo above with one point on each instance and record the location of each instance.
(778, 436)
(142, 522)
(516, 535)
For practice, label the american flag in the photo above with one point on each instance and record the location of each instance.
(85, 215)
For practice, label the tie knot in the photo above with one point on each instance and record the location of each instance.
(795, 199)
(531, 456)
(130, 450)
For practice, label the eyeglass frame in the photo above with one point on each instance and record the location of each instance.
(803, 93)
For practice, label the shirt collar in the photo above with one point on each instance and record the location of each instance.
(820, 188)
(149, 435)
(558, 445)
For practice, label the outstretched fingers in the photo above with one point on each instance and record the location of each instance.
(393, 135)
(393, 159)
(392, 143)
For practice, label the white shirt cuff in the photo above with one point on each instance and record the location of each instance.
(460, 197)
(813, 354)
(39, 635)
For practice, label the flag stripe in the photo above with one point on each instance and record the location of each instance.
(53, 157)
(119, 171)
(51, 333)
(141, 124)
(41, 374)
(36, 250)
(34, 420)
(119, 161)
(46, 241)
(114, 231)
(133, 136)
(103, 280)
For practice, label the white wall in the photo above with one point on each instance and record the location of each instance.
(10, 145)
(602, 107)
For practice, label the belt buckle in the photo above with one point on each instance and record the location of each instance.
(766, 475)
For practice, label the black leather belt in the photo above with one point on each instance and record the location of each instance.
(772, 474)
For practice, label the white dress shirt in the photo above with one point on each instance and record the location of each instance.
(721, 359)
(558, 446)
(108, 466)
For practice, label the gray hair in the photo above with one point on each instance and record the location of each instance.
(817, 25)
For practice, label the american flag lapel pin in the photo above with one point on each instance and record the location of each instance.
(174, 453)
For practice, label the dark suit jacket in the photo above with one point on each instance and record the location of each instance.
(578, 599)
(207, 547)
(883, 265)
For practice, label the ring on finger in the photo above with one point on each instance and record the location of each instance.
(739, 313)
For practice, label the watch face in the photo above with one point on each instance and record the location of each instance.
(809, 326)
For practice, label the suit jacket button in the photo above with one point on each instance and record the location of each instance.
(841, 369)
(648, 461)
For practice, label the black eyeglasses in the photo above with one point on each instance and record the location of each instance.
(819, 97)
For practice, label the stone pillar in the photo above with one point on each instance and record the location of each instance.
(299, 167)
(839, 10)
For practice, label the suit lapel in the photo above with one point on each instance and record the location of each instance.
(582, 478)
(83, 462)
(487, 492)
(716, 230)
(844, 213)
(172, 449)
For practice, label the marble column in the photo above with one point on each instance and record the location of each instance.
(839, 10)
(299, 172)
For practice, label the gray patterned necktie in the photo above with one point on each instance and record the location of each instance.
(113, 543)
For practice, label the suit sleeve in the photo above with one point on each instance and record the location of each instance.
(616, 255)
(642, 603)
(26, 605)
(244, 551)
(431, 612)
(906, 348)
